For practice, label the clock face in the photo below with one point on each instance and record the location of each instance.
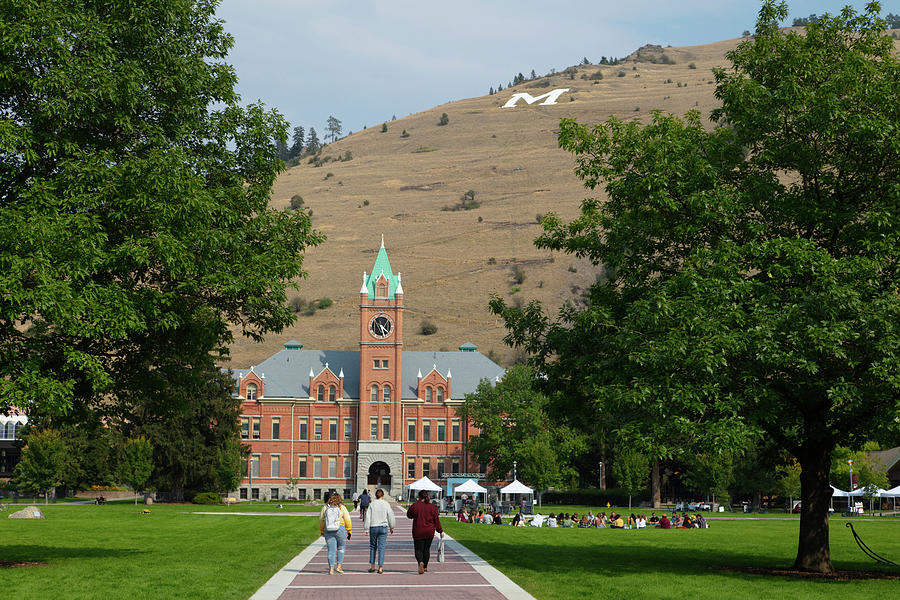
(381, 326)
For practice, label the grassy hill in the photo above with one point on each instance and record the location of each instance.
(453, 261)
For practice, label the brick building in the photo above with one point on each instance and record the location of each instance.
(320, 420)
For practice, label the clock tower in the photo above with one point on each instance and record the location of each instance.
(380, 354)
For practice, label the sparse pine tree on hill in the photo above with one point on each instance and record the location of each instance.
(585, 61)
(444, 119)
(334, 128)
(281, 149)
(491, 91)
(893, 21)
(312, 143)
(384, 128)
(533, 74)
(297, 146)
(500, 88)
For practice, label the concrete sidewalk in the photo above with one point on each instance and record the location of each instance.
(462, 575)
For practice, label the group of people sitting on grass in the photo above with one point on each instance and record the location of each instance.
(588, 520)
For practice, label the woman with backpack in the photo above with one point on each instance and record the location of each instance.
(425, 522)
(334, 524)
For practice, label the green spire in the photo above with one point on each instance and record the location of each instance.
(383, 266)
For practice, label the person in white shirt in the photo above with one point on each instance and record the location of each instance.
(379, 519)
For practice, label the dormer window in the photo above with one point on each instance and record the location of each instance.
(381, 288)
(251, 392)
(428, 394)
(332, 391)
(440, 394)
(320, 394)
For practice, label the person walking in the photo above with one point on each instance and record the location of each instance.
(364, 500)
(425, 522)
(379, 519)
(334, 524)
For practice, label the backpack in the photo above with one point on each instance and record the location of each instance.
(332, 518)
(364, 501)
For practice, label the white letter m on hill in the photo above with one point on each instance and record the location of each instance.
(529, 99)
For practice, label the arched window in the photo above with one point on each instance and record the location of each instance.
(381, 289)
(320, 393)
(428, 394)
(331, 393)
(251, 392)
(387, 393)
(440, 394)
(374, 393)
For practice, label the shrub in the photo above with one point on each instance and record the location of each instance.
(296, 201)
(621, 73)
(297, 304)
(427, 328)
(518, 274)
(207, 498)
(329, 175)
(573, 269)
(366, 202)
(593, 497)
(692, 66)
(444, 119)
(514, 290)
(384, 128)
(480, 219)
(492, 261)
(539, 217)
(637, 109)
(598, 75)
(325, 302)
(404, 134)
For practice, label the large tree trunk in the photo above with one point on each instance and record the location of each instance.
(654, 485)
(813, 552)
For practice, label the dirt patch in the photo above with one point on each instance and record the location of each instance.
(12, 564)
(839, 575)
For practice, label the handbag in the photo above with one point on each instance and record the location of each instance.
(441, 550)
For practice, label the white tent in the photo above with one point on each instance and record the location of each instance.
(470, 486)
(894, 492)
(517, 487)
(423, 484)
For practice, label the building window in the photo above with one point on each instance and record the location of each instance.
(243, 493)
(426, 467)
(332, 429)
(317, 467)
(318, 429)
(381, 289)
(301, 466)
(320, 393)
(256, 427)
(455, 430)
(441, 428)
(454, 465)
(251, 392)
(440, 394)
(245, 428)
(332, 467)
(373, 428)
(380, 364)
(273, 494)
(426, 430)
(304, 430)
(254, 465)
(385, 428)
(348, 466)
(254, 493)
(332, 393)
(374, 395)
(301, 494)
(276, 466)
(387, 393)
(411, 430)
(411, 468)
(428, 394)
(482, 467)
(440, 469)
(348, 429)
(317, 494)
(276, 428)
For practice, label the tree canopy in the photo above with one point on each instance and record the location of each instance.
(748, 271)
(134, 193)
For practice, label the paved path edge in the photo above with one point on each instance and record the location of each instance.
(276, 585)
(495, 577)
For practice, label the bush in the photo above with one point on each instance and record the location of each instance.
(621, 73)
(518, 274)
(404, 134)
(428, 328)
(692, 66)
(207, 498)
(596, 76)
(492, 261)
(594, 497)
(325, 302)
(296, 202)
(366, 202)
(384, 128)
(444, 119)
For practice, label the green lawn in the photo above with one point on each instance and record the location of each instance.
(677, 564)
(114, 552)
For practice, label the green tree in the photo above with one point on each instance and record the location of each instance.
(333, 127)
(710, 474)
(631, 469)
(384, 128)
(312, 141)
(893, 21)
(788, 483)
(444, 119)
(297, 145)
(134, 195)
(42, 463)
(514, 425)
(752, 283)
(136, 464)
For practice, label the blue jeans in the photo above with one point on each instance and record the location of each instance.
(336, 541)
(377, 542)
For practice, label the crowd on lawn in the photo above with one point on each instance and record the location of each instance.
(587, 520)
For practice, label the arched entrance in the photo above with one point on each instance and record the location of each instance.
(379, 474)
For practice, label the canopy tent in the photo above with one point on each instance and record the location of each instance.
(470, 486)
(423, 484)
(894, 492)
(517, 487)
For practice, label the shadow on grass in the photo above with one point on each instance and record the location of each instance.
(51, 554)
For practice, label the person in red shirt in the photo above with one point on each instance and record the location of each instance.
(664, 523)
(425, 522)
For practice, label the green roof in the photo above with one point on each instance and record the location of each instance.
(382, 265)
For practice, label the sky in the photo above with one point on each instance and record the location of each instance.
(365, 61)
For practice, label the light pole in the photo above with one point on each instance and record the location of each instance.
(850, 464)
(601, 474)
(250, 476)
(514, 470)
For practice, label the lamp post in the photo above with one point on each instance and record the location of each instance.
(601, 475)
(250, 476)
(850, 464)
(514, 470)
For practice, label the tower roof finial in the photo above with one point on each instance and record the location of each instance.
(382, 240)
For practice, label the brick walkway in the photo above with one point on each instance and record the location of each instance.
(462, 575)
